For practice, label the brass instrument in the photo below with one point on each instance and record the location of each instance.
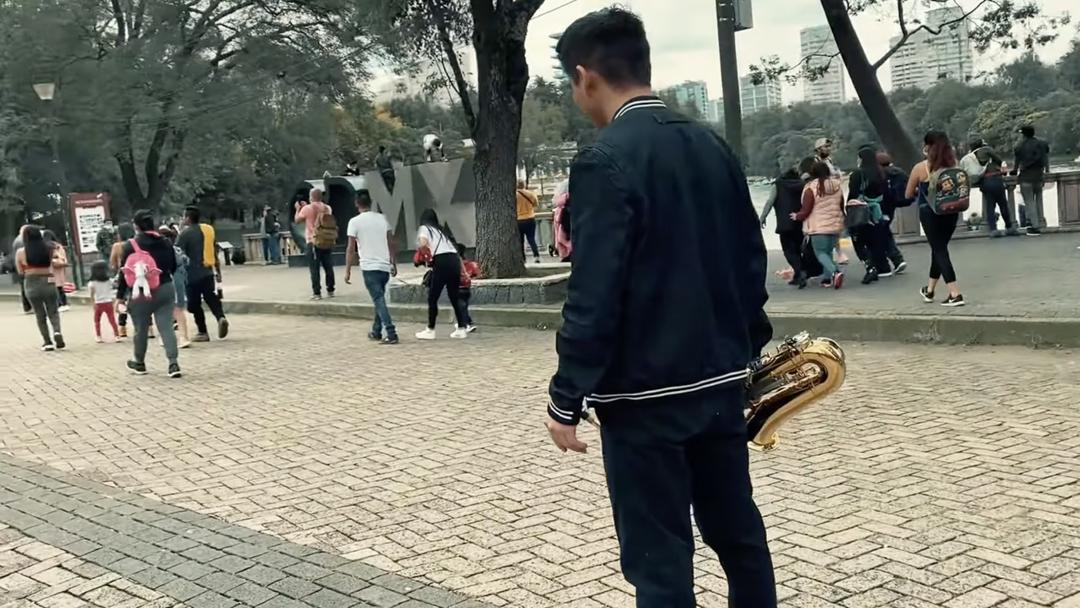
(799, 372)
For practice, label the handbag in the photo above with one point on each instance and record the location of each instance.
(856, 215)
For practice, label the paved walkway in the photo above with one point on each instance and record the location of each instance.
(938, 476)
(1010, 277)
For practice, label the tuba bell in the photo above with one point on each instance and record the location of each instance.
(801, 371)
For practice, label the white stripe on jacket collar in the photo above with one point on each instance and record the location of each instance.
(650, 102)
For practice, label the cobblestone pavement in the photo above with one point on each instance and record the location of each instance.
(938, 476)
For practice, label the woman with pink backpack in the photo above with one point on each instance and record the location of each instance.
(148, 262)
(560, 220)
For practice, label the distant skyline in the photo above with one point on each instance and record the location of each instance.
(684, 41)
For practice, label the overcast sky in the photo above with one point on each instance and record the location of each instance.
(684, 40)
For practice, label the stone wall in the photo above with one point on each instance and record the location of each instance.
(528, 291)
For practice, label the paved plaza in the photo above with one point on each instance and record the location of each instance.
(296, 464)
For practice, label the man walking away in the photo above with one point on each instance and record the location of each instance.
(1032, 163)
(385, 166)
(320, 232)
(785, 200)
(664, 310)
(371, 236)
(198, 241)
(983, 167)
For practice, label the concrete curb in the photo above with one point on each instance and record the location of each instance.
(940, 329)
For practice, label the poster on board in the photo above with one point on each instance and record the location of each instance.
(89, 212)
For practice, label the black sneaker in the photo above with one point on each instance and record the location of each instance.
(48, 347)
(139, 369)
(174, 370)
(389, 340)
(223, 328)
(1034, 232)
(330, 293)
(953, 301)
(374, 337)
(59, 341)
(827, 283)
(900, 268)
(870, 276)
(201, 338)
(927, 295)
(316, 297)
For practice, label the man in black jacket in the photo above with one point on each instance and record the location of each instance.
(663, 313)
(1032, 163)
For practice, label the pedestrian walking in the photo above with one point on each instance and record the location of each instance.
(868, 187)
(101, 294)
(271, 241)
(938, 229)
(895, 198)
(469, 270)
(664, 310)
(60, 266)
(1032, 162)
(149, 261)
(180, 283)
(320, 232)
(34, 262)
(198, 242)
(785, 199)
(372, 239)
(822, 215)
(984, 168)
(437, 251)
(124, 233)
(526, 218)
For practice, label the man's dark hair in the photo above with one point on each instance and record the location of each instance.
(143, 220)
(1027, 131)
(193, 214)
(382, 148)
(363, 199)
(611, 42)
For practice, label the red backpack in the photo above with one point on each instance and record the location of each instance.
(141, 272)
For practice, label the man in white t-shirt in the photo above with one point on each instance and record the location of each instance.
(371, 236)
(433, 147)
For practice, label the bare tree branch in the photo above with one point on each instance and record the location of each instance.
(906, 34)
(452, 59)
(121, 25)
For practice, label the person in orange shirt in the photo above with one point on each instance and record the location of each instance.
(526, 218)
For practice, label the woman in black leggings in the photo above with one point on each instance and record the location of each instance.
(937, 228)
(445, 265)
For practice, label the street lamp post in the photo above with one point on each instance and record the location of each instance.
(46, 92)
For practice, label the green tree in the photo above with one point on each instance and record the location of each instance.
(542, 126)
(432, 30)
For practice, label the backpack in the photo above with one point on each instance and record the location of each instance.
(896, 189)
(326, 231)
(141, 272)
(949, 191)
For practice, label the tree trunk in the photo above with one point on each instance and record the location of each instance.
(896, 140)
(872, 97)
(502, 74)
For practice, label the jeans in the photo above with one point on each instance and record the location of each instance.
(41, 293)
(527, 229)
(464, 295)
(273, 242)
(197, 292)
(375, 281)
(824, 245)
(1033, 203)
(445, 274)
(939, 230)
(665, 456)
(994, 198)
(61, 296)
(321, 258)
(159, 308)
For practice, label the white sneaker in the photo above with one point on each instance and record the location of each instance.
(64, 308)
(460, 333)
(426, 334)
(473, 328)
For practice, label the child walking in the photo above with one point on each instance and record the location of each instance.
(180, 280)
(469, 270)
(101, 291)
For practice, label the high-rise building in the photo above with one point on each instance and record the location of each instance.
(927, 58)
(818, 48)
(716, 111)
(560, 74)
(757, 97)
(691, 94)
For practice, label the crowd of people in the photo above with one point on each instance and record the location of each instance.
(813, 212)
(153, 275)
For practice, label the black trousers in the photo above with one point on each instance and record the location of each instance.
(664, 456)
(324, 259)
(197, 292)
(527, 229)
(939, 230)
(891, 250)
(445, 274)
(871, 245)
(791, 242)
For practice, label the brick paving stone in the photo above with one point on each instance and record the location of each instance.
(896, 490)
